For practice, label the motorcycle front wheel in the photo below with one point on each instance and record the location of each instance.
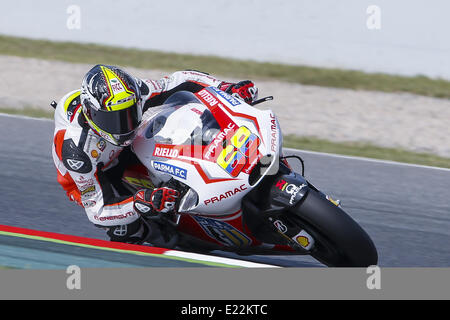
(339, 240)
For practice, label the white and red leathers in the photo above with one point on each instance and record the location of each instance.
(83, 158)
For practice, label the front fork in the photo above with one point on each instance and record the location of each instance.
(295, 236)
(287, 190)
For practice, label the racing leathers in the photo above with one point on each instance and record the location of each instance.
(89, 168)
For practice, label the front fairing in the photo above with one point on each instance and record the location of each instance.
(217, 145)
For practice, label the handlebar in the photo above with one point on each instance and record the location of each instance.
(261, 100)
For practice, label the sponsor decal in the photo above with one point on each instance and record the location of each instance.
(131, 97)
(241, 149)
(281, 184)
(304, 239)
(291, 189)
(94, 153)
(88, 190)
(225, 195)
(101, 145)
(280, 226)
(89, 203)
(197, 111)
(208, 98)
(165, 152)
(222, 232)
(337, 203)
(273, 138)
(103, 135)
(253, 164)
(117, 217)
(84, 183)
(170, 169)
(116, 86)
(75, 164)
(232, 100)
(81, 179)
(218, 140)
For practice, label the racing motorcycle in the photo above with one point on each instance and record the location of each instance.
(238, 192)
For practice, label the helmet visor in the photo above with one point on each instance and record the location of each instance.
(120, 122)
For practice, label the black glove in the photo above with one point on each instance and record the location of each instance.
(245, 90)
(153, 202)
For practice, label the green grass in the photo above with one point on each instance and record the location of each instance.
(357, 149)
(93, 54)
(29, 112)
(360, 149)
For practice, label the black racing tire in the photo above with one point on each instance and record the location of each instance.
(339, 240)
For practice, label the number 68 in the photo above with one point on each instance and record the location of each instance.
(241, 147)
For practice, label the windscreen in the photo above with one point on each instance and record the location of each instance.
(184, 121)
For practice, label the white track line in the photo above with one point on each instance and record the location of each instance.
(228, 261)
(368, 159)
(248, 264)
(19, 116)
(294, 150)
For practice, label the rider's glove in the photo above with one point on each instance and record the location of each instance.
(160, 200)
(245, 90)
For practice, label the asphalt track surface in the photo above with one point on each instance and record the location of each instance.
(405, 209)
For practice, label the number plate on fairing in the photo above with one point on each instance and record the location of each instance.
(223, 232)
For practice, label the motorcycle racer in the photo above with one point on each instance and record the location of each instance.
(94, 128)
